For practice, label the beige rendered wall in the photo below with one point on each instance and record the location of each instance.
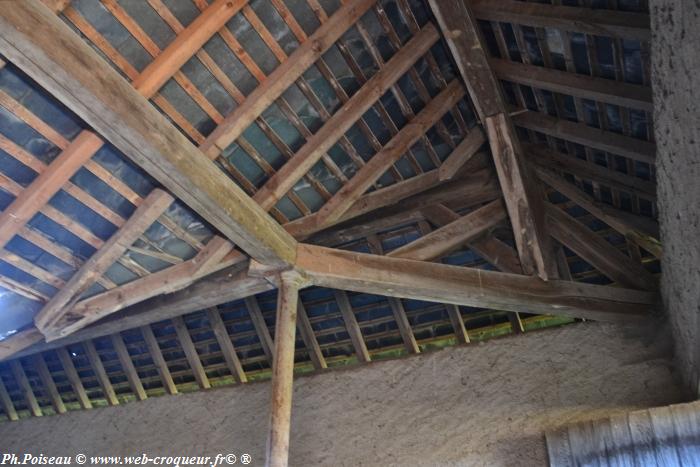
(483, 404)
(676, 86)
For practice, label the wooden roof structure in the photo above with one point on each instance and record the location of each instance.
(183, 180)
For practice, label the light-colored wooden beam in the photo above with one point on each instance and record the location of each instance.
(74, 378)
(186, 44)
(49, 384)
(47, 184)
(462, 154)
(609, 91)
(25, 388)
(7, 406)
(144, 216)
(183, 335)
(309, 337)
(283, 370)
(158, 359)
(399, 312)
(364, 178)
(627, 146)
(228, 285)
(89, 310)
(445, 239)
(261, 328)
(354, 331)
(441, 283)
(306, 226)
(19, 341)
(227, 350)
(500, 255)
(128, 367)
(60, 61)
(597, 251)
(598, 22)
(341, 121)
(100, 373)
(86, 144)
(640, 230)
(522, 201)
(284, 76)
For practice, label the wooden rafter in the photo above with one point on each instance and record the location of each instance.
(143, 217)
(500, 255)
(597, 251)
(522, 201)
(457, 233)
(84, 312)
(599, 22)
(31, 37)
(284, 76)
(642, 231)
(383, 160)
(317, 145)
(586, 87)
(627, 146)
(87, 143)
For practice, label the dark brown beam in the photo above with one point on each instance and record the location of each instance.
(640, 230)
(597, 251)
(523, 202)
(598, 22)
(633, 148)
(584, 86)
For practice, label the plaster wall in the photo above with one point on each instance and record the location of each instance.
(483, 404)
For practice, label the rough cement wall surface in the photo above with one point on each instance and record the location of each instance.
(478, 405)
(676, 86)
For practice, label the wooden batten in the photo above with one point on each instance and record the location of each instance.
(30, 37)
(317, 145)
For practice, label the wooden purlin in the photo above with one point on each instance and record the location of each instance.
(132, 124)
(441, 283)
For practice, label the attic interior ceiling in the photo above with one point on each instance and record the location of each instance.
(360, 126)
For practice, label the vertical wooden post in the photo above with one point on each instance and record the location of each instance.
(283, 369)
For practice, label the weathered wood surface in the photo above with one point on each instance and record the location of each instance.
(145, 215)
(659, 436)
(62, 63)
(283, 370)
(627, 146)
(284, 76)
(597, 251)
(341, 121)
(633, 96)
(598, 22)
(441, 283)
